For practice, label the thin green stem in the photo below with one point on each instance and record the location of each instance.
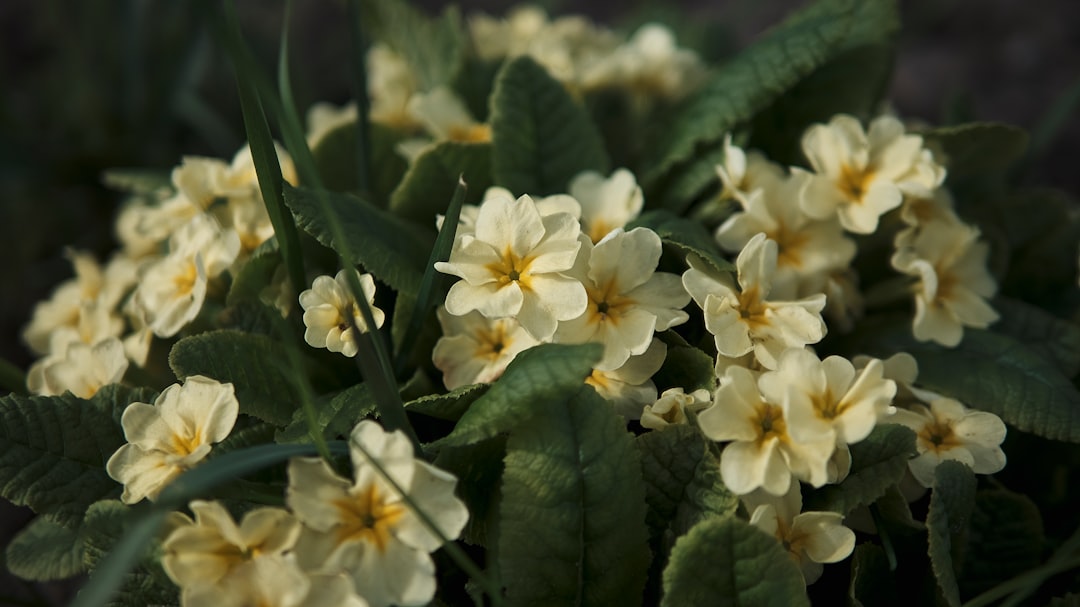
(1027, 581)
(300, 381)
(363, 105)
(883, 533)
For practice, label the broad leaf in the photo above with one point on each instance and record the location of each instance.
(686, 235)
(45, 550)
(478, 468)
(682, 480)
(769, 68)
(256, 274)
(1006, 539)
(336, 415)
(450, 406)
(726, 562)
(877, 463)
(978, 147)
(539, 377)
(688, 368)
(106, 523)
(394, 250)
(335, 159)
(1056, 340)
(254, 364)
(53, 450)
(990, 372)
(433, 47)
(690, 180)
(872, 584)
(947, 522)
(573, 473)
(542, 138)
(429, 185)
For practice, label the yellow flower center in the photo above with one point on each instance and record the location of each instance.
(605, 306)
(184, 444)
(511, 268)
(185, 281)
(770, 421)
(368, 517)
(938, 436)
(491, 343)
(828, 407)
(474, 133)
(598, 230)
(854, 183)
(751, 308)
(597, 379)
(788, 245)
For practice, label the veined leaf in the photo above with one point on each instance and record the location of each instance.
(688, 368)
(336, 415)
(726, 562)
(682, 480)
(877, 463)
(541, 137)
(53, 450)
(1054, 339)
(450, 406)
(256, 274)
(433, 48)
(478, 468)
(872, 584)
(429, 185)
(335, 159)
(254, 364)
(948, 522)
(1006, 539)
(686, 235)
(45, 550)
(690, 180)
(538, 377)
(990, 372)
(145, 584)
(978, 147)
(572, 515)
(769, 68)
(391, 248)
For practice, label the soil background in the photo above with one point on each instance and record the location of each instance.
(89, 86)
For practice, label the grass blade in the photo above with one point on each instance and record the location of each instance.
(363, 104)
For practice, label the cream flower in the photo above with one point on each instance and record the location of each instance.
(275, 582)
(364, 528)
(606, 203)
(762, 453)
(922, 206)
(172, 435)
(512, 267)
(811, 538)
(329, 303)
(670, 409)
(628, 299)
(548, 205)
(324, 118)
(83, 369)
(860, 175)
(807, 249)
(947, 430)
(826, 397)
(494, 38)
(172, 290)
(953, 282)
(650, 64)
(743, 319)
(743, 175)
(444, 116)
(474, 349)
(630, 387)
(391, 83)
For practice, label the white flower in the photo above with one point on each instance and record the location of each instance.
(548, 205)
(650, 64)
(329, 304)
(172, 435)
(512, 266)
(628, 299)
(762, 453)
(324, 118)
(83, 369)
(811, 538)
(743, 319)
(630, 387)
(494, 38)
(953, 282)
(861, 175)
(606, 203)
(275, 582)
(390, 83)
(947, 430)
(445, 117)
(569, 46)
(922, 206)
(670, 409)
(826, 397)
(474, 349)
(743, 175)
(172, 290)
(364, 528)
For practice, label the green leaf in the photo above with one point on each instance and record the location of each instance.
(429, 185)
(53, 450)
(450, 406)
(978, 147)
(872, 584)
(573, 473)
(686, 235)
(877, 463)
(106, 523)
(690, 180)
(45, 550)
(137, 181)
(538, 377)
(682, 480)
(256, 274)
(253, 364)
(336, 416)
(688, 368)
(1006, 539)
(542, 138)
(990, 372)
(433, 48)
(254, 433)
(947, 523)
(335, 160)
(1056, 340)
(391, 248)
(765, 71)
(725, 562)
(478, 468)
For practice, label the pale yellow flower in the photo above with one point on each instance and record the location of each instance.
(82, 369)
(649, 64)
(947, 430)
(630, 387)
(445, 118)
(324, 118)
(606, 203)
(475, 349)
(672, 406)
(390, 84)
(328, 306)
(172, 435)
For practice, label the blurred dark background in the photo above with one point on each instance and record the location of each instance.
(89, 86)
